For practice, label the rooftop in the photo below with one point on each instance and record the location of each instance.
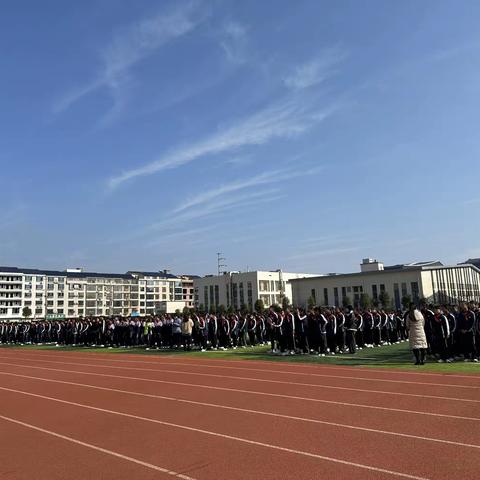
(402, 267)
(80, 274)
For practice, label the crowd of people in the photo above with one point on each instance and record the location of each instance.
(447, 334)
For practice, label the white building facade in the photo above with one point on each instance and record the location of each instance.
(74, 293)
(430, 281)
(240, 290)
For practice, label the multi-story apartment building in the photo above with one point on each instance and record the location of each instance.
(74, 293)
(242, 289)
(188, 290)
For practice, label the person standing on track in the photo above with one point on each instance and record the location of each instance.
(417, 337)
(187, 329)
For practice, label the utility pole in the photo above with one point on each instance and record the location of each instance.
(220, 265)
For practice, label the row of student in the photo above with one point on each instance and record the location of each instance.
(319, 330)
(450, 332)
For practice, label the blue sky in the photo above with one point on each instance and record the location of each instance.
(298, 135)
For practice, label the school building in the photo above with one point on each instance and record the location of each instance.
(73, 293)
(242, 289)
(430, 281)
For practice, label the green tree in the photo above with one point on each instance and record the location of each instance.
(26, 312)
(276, 308)
(186, 311)
(201, 308)
(230, 309)
(285, 303)
(346, 301)
(406, 301)
(221, 309)
(384, 298)
(311, 302)
(365, 301)
(259, 306)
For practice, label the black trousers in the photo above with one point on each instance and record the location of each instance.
(467, 341)
(351, 344)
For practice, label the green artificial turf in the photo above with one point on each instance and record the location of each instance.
(392, 356)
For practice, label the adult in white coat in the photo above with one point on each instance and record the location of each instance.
(417, 337)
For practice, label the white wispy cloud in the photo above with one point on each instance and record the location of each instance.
(323, 253)
(282, 120)
(471, 201)
(272, 176)
(175, 236)
(239, 160)
(216, 207)
(133, 44)
(315, 71)
(233, 41)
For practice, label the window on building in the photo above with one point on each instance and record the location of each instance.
(211, 296)
(242, 296)
(396, 296)
(404, 289)
(265, 299)
(263, 285)
(313, 294)
(325, 296)
(235, 295)
(415, 291)
(374, 292)
(250, 295)
(217, 295)
(336, 300)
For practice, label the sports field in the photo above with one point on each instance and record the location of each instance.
(82, 414)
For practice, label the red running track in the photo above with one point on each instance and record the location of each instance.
(73, 415)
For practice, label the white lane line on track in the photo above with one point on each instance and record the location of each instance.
(255, 412)
(250, 392)
(98, 449)
(221, 435)
(273, 363)
(285, 372)
(332, 387)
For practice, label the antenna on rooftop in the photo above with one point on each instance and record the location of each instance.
(220, 265)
